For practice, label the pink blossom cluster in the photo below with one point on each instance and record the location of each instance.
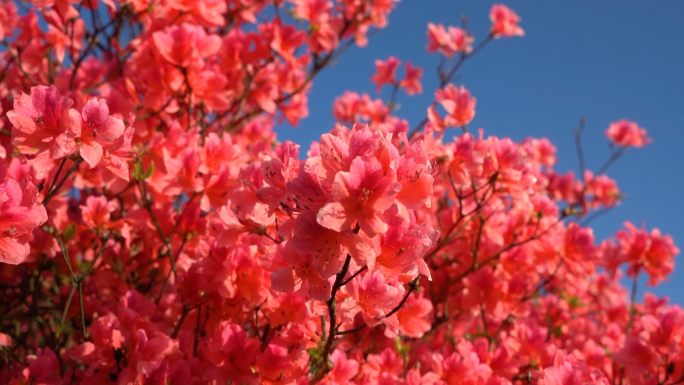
(155, 231)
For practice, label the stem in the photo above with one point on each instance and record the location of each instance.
(393, 99)
(332, 312)
(611, 160)
(578, 146)
(446, 78)
(632, 309)
(148, 206)
(56, 188)
(197, 328)
(80, 300)
(412, 287)
(346, 281)
(68, 304)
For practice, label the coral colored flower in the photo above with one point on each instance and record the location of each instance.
(466, 162)
(44, 125)
(626, 133)
(462, 40)
(414, 320)
(579, 249)
(106, 338)
(339, 147)
(439, 39)
(386, 72)
(568, 370)
(64, 7)
(208, 12)
(665, 330)
(63, 36)
(99, 131)
(375, 299)
(286, 40)
(328, 247)
(284, 358)
(344, 369)
(97, 211)
(387, 363)
(148, 356)
(235, 257)
(636, 357)
(504, 22)
(415, 173)
(652, 251)
(8, 18)
(180, 45)
(291, 278)
(604, 190)
(5, 340)
(360, 196)
(411, 81)
(324, 36)
(448, 42)
(20, 214)
(43, 368)
(311, 10)
(455, 369)
(458, 103)
(404, 245)
(231, 352)
(482, 287)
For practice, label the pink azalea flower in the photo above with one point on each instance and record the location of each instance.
(626, 133)
(360, 196)
(448, 42)
(181, 45)
(344, 369)
(404, 245)
(411, 81)
(44, 125)
(20, 214)
(636, 357)
(291, 278)
(386, 72)
(97, 211)
(98, 132)
(414, 320)
(375, 299)
(504, 22)
(458, 103)
(5, 340)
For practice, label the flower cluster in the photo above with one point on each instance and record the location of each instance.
(153, 230)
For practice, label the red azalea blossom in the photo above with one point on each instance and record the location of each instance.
(411, 81)
(504, 22)
(386, 71)
(20, 214)
(626, 133)
(155, 230)
(458, 103)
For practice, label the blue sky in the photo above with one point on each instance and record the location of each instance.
(601, 60)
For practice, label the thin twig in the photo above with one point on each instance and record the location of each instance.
(56, 188)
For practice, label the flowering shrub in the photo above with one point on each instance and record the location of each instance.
(154, 231)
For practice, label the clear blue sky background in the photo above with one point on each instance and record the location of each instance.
(602, 60)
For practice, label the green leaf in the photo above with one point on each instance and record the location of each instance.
(140, 174)
(69, 232)
(137, 171)
(149, 172)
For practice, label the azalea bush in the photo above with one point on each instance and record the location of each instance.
(155, 231)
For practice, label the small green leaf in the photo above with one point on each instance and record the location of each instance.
(69, 232)
(149, 172)
(140, 174)
(137, 171)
